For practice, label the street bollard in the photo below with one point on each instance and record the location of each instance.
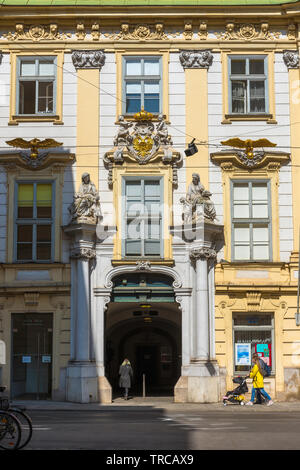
(144, 386)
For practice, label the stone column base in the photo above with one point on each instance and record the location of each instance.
(197, 390)
(104, 390)
(84, 386)
(200, 383)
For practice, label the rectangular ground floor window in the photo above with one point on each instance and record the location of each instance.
(253, 333)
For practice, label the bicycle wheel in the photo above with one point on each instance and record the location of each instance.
(26, 426)
(10, 431)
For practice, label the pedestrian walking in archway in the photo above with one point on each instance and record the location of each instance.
(126, 375)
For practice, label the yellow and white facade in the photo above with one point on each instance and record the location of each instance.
(112, 82)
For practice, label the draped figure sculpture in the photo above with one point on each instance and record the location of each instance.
(86, 202)
(197, 196)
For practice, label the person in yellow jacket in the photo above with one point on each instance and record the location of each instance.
(258, 381)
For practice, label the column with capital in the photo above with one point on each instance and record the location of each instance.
(81, 379)
(201, 313)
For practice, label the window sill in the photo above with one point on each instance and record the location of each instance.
(229, 118)
(14, 121)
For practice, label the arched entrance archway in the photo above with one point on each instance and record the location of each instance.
(143, 323)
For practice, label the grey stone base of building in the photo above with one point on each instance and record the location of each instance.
(200, 383)
(83, 385)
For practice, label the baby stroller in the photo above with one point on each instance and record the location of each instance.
(236, 396)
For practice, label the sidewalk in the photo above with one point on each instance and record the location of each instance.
(165, 403)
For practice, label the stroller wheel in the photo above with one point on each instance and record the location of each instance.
(242, 403)
(224, 402)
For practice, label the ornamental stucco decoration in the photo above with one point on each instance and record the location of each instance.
(88, 59)
(83, 253)
(203, 253)
(291, 59)
(36, 33)
(195, 59)
(141, 32)
(142, 139)
(247, 32)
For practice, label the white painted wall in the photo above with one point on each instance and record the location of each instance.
(65, 133)
(278, 133)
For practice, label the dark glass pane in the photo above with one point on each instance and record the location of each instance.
(252, 320)
(27, 97)
(43, 251)
(44, 212)
(24, 233)
(45, 101)
(257, 97)
(151, 103)
(238, 67)
(239, 97)
(257, 67)
(24, 251)
(25, 212)
(133, 103)
(43, 233)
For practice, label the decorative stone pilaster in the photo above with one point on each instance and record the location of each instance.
(291, 59)
(88, 59)
(196, 59)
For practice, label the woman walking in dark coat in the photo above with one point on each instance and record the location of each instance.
(126, 374)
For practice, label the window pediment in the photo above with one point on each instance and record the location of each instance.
(232, 160)
(33, 159)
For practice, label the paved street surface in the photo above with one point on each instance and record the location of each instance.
(149, 424)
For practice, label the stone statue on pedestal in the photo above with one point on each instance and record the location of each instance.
(196, 197)
(86, 202)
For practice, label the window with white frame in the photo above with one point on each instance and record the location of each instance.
(36, 85)
(251, 220)
(142, 84)
(253, 333)
(248, 84)
(34, 222)
(143, 217)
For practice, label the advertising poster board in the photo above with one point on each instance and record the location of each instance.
(243, 354)
(264, 352)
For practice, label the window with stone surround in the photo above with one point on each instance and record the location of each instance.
(253, 333)
(143, 217)
(142, 84)
(251, 220)
(248, 85)
(36, 86)
(34, 222)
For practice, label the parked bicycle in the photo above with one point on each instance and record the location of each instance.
(18, 430)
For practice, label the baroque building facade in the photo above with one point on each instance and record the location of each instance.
(119, 238)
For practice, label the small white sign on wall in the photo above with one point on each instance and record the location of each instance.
(2, 352)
